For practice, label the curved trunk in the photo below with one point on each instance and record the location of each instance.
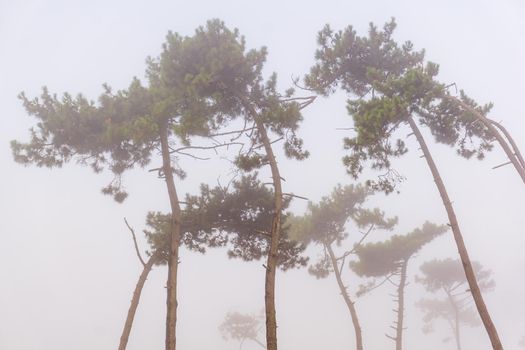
(175, 236)
(458, 237)
(346, 297)
(489, 124)
(513, 144)
(135, 302)
(401, 305)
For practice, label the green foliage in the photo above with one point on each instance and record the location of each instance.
(325, 223)
(238, 217)
(121, 131)
(382, 258)
(388, 83)
(355, 62)
(221, 80)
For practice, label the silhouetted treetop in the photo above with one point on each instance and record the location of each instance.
(381, 258)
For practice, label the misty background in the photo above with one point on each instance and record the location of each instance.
(67, 262)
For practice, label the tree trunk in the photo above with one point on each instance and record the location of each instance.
(458, 237)
(346, 297)
(273, 254)
(515, 159)
(175, 236)
(401, 304)
(135, 302)
(513, 144)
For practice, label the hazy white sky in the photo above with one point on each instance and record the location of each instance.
(67, 263)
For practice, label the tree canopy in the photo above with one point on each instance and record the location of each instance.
(387, 83)
(382, 258)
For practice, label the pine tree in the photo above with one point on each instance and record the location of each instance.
(242, 327)
(227, 75)
(389, 86)
(390, 258)
(325, 224)
(447, 277)
(126, 129)
(234, 216)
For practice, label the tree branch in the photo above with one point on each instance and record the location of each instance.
(135, 243)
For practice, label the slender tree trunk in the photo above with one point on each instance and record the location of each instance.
(175, 236)
(513, 144)
(458, 237)
(135, 302)
(346, 297)
(273, 254)
(401, 304)
(515, 159)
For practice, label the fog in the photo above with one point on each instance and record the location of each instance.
(67, 262)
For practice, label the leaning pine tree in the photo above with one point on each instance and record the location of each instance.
(391, 86)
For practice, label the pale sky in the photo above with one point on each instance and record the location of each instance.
(67, 263)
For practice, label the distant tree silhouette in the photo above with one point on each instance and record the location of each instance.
(325, 224)
(446, 277)
(390, 258)
(242, 327)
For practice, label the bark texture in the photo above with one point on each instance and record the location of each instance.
(458, 237)
(175, 236)
(273, 254)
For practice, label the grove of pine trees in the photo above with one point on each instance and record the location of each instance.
(209, 95)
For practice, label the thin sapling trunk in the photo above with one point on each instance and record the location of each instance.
(401, 304)
(346, 297)
(135, 301)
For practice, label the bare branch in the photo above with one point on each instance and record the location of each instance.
(294, 195)
(501, 165)
(193, 156)
(135, 243)
(214, 147)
